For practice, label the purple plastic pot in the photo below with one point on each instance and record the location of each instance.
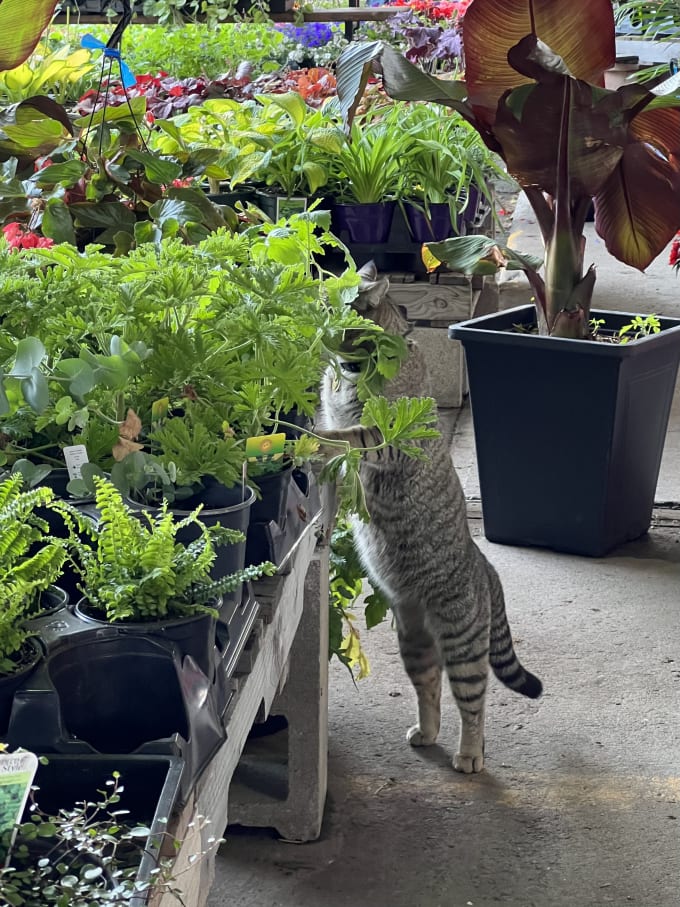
(433, 226)
(369, 223)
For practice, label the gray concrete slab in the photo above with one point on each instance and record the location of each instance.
(579, 804)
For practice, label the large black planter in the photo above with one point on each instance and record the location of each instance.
(569, 433)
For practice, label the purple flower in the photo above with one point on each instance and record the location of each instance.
(311, 34)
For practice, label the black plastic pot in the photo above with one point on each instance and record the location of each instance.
(10, 683)
(569, 433)
(231, 198)
(150, 787)
(194, 636)
(50, 601)
(102, 691)
(273, 497)
(118, 694)
(276, 206)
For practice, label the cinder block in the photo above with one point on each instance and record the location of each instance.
(281, 779)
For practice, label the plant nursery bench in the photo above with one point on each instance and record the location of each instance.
(283, 671)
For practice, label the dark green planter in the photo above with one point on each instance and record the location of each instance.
(569, 433)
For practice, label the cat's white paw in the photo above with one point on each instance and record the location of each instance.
(417, 738)
(468, 764)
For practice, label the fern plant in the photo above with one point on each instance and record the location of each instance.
(134, 568)
(30, 561)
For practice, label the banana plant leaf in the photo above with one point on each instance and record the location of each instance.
(533, 89)
(22, 22)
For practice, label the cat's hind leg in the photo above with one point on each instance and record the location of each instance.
(423, 665)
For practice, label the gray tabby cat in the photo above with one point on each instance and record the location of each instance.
(446, 598)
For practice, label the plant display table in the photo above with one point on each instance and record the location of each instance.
(283, 671)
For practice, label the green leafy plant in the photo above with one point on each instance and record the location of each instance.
(84, 855)
(300, 142)
(448, 162)
(638, 326)
(346, 587)
(533, 91)
(58, 73)
(30, 561)
(369, 168)
(47, 405)
(133, 566)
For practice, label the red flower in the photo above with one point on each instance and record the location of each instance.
(674, 257)
(18, 238)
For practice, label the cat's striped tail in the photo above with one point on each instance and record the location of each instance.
(502, 656)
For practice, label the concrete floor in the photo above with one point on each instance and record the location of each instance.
(579, 804)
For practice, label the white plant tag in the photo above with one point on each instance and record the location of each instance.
(75, 456)
(17, 771)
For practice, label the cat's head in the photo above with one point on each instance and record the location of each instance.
(373, 301)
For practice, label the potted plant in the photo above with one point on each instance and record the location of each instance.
(30, 563)
(447, 172)
(299, 142)
(367, 177)
(95, 831)
(135, 571)
(577, 425)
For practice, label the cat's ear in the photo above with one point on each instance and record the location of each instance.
(368, 272)
(372, 289)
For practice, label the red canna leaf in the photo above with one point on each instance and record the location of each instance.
(581, 33)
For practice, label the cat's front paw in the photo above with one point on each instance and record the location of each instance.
(468, 764)
(416, 737)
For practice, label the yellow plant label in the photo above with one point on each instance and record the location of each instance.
(265, 447)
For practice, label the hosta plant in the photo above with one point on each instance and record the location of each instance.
(533, 89)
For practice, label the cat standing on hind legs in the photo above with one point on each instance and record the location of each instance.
(417, 549)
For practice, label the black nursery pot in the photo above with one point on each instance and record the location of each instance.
(117, 694)
(274, 497)
(194, 636)
(10, 683)
(569, 433)
(50, 601)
